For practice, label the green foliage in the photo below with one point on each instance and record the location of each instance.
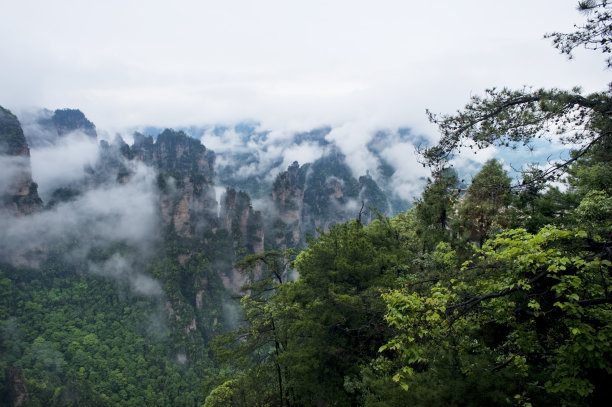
(514, 118)
(433, 209)
(83, 340)
(595, 215)
(310, 337)
(223, 395)
(547, 294)
(591, 170)
(485, 204)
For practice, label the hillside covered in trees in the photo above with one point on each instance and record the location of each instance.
(165, 273)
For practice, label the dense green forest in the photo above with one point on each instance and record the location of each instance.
(494, 293)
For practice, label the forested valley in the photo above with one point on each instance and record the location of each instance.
(489, 291)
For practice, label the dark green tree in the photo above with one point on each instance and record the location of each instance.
(256, 348)
(486, 202)
(532, 310)
(527, 317)
(433, 211)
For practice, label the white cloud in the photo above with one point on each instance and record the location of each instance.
(62, 163)
(123, 269)
(121, 212)
(303, 153)
(99, 218)
(222, 141)
(13, 168)
(287, 64)
(409, 176)
(352, 139)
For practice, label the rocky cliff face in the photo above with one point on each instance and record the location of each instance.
(185, 180)
(373, 199)
(18, 392)
(244, 225)
(18, 192)
(288, 197)
(318, 195)
(66, 121)
(331, 193)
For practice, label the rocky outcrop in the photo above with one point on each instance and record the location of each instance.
(19, 194)
(331, 193)
(185, 180)
(373, 198)
(315, 196)
(111, 165)
(185, 171)
(288, 198)
(244, 225)
(245, 230)
(66, 121)
(18, 392)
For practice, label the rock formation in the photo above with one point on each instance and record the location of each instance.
(315, 196)
(19, 194)
(185, 180)
(288, 197)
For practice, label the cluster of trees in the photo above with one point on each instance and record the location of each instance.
(69, 337)
(497, 294)
(74, 339)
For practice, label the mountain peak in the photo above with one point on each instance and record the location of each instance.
(68, 120)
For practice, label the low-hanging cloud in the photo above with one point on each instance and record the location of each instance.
(14, 169)
(264, 151)
(106, 216)
(123, 268)
(365, 146)
(63, 162)
(409, 177)
(303, 153)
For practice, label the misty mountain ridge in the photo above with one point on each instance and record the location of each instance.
(293, 183)
(249, 157)
(103, 193)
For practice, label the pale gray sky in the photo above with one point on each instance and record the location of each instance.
(288, 64)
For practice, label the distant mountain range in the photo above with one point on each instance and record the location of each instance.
(244, 192)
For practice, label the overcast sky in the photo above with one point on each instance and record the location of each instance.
(288, 64)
